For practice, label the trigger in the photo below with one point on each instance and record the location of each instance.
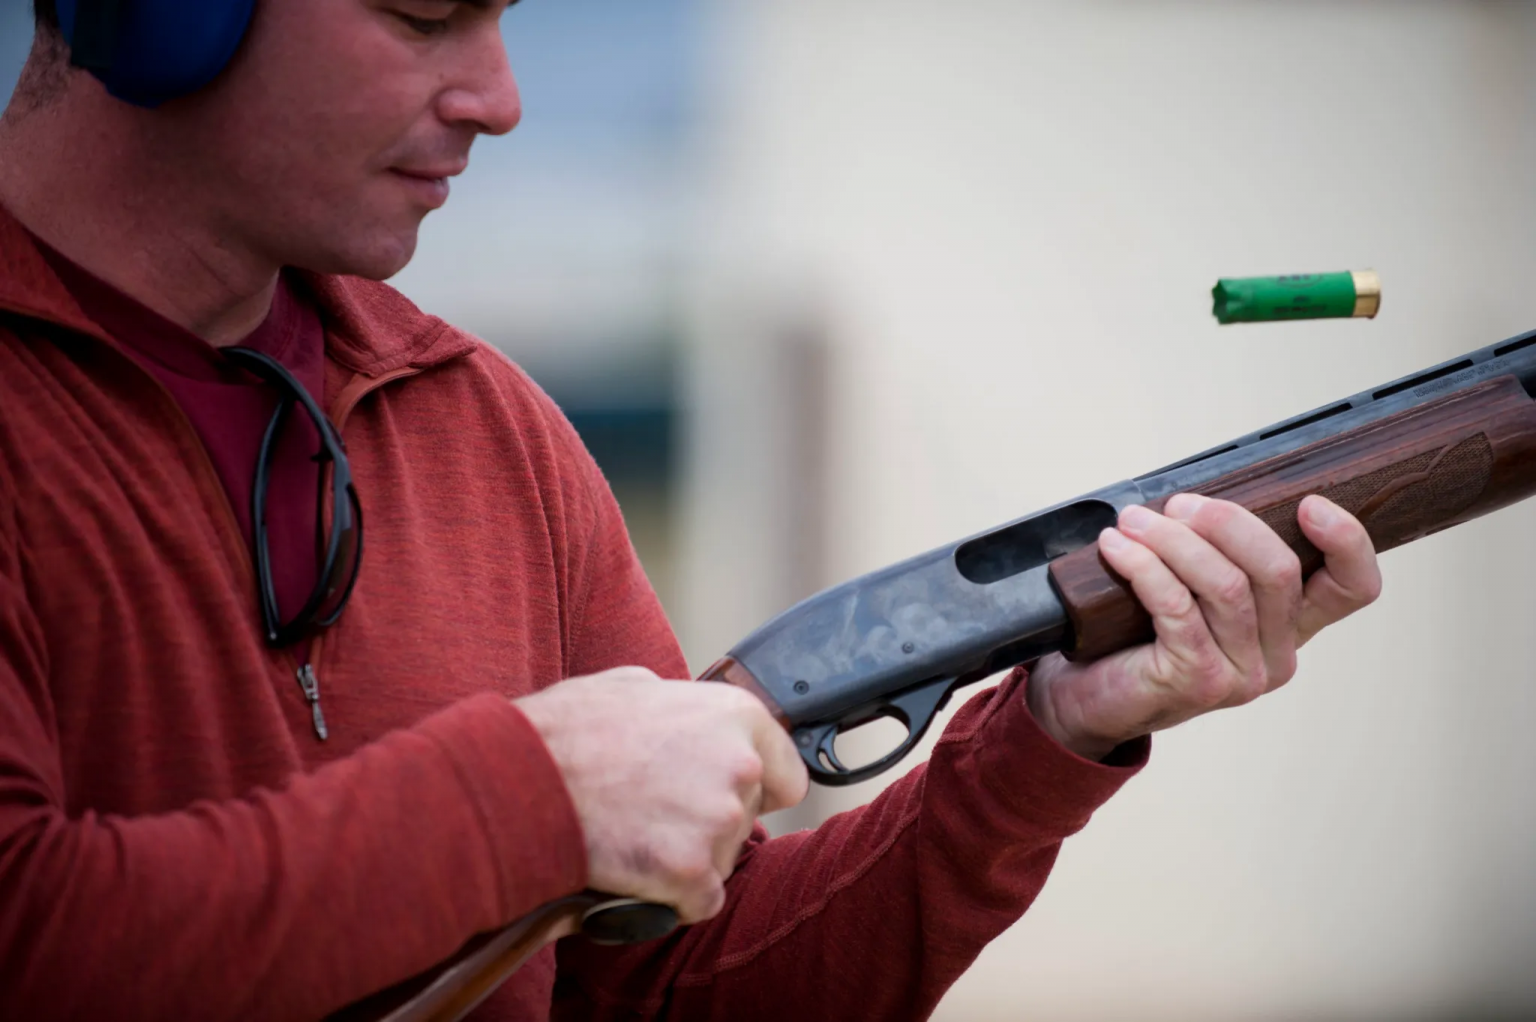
(915, 708)
(813, 743)
(829, 749)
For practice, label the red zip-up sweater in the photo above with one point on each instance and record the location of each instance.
(174, 841)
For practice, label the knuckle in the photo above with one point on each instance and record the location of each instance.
(1286, 571)
(729, 817)
(1179, 604)
(1216, 688)
(1205, 692)
(1201, 676)
(745, 769)
(1245, 618)
(691, 868)
(1210, 680)
(1232, 589)
(642, 860)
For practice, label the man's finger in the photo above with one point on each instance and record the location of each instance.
(1273, 570)
(728, 849)
(1350, 577)
(785, 779)
(1181, 627)
(701, 904)
(670, 872)
(1222, 589)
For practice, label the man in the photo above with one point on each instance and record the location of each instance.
(229, 791)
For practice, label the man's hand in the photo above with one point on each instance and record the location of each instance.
(667, 777)
(1226, 596)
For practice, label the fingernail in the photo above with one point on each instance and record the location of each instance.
(1135, 519)
(1112, 540)
(1322, 512)
(1183, 505)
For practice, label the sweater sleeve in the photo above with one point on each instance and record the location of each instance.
(286, 904)
(877, 912)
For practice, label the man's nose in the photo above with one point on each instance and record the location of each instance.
(485, 91)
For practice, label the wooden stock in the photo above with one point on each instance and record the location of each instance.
(448, 992)
(451, 990)
(1406, 476)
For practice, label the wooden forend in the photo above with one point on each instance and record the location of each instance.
(1406, 476)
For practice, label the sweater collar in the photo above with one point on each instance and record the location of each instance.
(371, 328)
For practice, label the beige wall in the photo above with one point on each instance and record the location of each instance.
(1004, 218)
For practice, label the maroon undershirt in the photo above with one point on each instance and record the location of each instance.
(230, 410)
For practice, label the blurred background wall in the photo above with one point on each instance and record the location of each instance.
(825, 283)
(1005, 218)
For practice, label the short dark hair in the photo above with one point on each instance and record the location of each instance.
(47, 13)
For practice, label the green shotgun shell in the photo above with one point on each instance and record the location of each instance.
(1297, 296)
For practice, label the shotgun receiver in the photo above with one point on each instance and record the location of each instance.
(1408, 458)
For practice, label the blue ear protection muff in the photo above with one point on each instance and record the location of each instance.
(148, 51)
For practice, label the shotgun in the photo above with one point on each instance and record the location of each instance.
(1408, 458)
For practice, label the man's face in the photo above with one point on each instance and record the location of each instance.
(333, 133)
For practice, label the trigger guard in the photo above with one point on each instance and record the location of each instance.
(915, 708)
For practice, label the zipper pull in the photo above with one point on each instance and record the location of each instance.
(311, 686)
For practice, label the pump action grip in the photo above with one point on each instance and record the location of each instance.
(1405, 476)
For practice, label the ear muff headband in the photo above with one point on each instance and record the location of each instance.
(148, 51)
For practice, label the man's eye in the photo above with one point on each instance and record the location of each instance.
(424, 26)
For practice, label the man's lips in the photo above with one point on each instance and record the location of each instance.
(433, 172)
(429, 184)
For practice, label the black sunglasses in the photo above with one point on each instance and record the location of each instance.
(343, 555)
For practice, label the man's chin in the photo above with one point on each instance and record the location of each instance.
(378, 258)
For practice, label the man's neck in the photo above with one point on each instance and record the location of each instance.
(88, 189)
